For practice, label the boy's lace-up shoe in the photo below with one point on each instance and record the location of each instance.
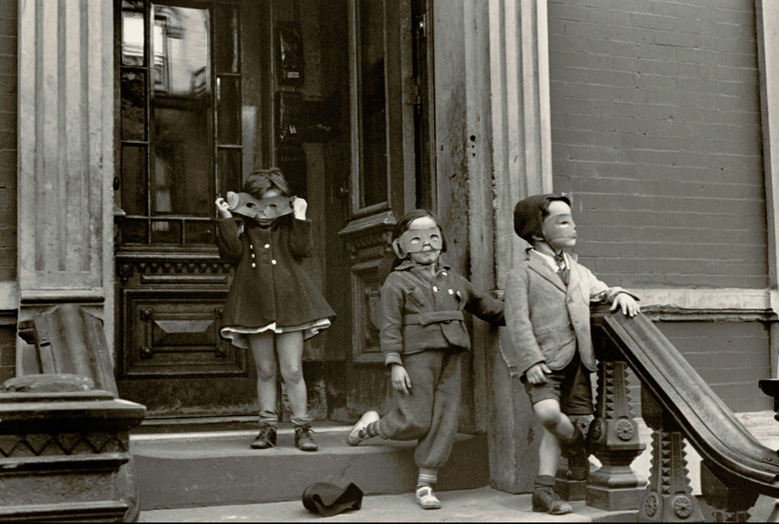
(359, 431)
(265, 439)
(303, 439)
(427, 499)
(546, 500)
(578, 462)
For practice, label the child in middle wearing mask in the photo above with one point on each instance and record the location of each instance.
(424, 339)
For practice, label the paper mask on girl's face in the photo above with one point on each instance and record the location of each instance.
(414, 240)
(248, 206)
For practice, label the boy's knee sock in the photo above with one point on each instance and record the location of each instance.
(427, 477)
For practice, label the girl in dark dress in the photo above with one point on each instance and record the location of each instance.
(273, 305)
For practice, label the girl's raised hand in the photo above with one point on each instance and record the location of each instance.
(299, 207)
(223, 207)
(400, 379)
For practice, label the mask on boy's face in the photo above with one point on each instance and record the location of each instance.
(248, 206)
(559, 231)
(414, 240)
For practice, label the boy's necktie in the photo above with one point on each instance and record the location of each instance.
(562, 269)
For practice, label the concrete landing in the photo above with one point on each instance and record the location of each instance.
(189, 470)
(476, 505)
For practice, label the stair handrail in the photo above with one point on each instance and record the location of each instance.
(686, 405)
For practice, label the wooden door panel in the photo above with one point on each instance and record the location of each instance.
(177, 333)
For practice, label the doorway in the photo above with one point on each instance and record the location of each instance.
(203, 97)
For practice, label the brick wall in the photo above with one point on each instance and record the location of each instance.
(656, 135)
(8, 110)
(730, 357)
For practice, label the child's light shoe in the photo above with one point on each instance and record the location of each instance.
(359, 430)
(427, 499)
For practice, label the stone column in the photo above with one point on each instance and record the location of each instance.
(508, 156)
(66, 162)
(767, 33)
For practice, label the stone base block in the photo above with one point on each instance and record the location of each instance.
(614, 499)
(570, 490)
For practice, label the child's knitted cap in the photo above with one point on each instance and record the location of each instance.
(528, 213)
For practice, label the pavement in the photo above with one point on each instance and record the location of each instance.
(474, 505)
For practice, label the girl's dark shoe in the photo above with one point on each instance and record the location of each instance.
(303, 439)
(546, 500)
(265, 439)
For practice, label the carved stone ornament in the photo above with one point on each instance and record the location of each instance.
(650, 505)
(682, 506)
(624, 430)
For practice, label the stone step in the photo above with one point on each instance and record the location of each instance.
(213, 468)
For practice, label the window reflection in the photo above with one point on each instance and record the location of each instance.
(132, 33)
(182, 170)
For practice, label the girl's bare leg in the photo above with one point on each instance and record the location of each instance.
(262, 345)
(289, 347)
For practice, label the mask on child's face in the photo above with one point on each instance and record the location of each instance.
(559, 231)
(414, 241)
(248, 206)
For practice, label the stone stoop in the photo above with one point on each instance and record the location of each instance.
(188, 469)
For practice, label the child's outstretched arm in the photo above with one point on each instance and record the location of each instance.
(618, 297)
(483, 305)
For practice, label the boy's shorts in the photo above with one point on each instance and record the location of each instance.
(570, 386)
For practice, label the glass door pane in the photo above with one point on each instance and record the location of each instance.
(182, 172)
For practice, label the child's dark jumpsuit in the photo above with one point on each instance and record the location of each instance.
(423, 329)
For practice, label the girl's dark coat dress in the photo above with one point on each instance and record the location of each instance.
(270, 284)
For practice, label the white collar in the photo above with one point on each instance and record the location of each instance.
(552, 262)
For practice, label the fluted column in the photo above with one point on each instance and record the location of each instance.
(508, 156)
(66, 163)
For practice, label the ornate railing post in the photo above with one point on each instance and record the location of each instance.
(668, 496)
(613, 438)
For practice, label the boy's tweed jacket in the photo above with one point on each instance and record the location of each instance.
(547, 321)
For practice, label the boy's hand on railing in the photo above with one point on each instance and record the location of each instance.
(400, 379)
(627, 303)
(537, 373)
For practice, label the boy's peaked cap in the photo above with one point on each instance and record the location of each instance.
(528, 212)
